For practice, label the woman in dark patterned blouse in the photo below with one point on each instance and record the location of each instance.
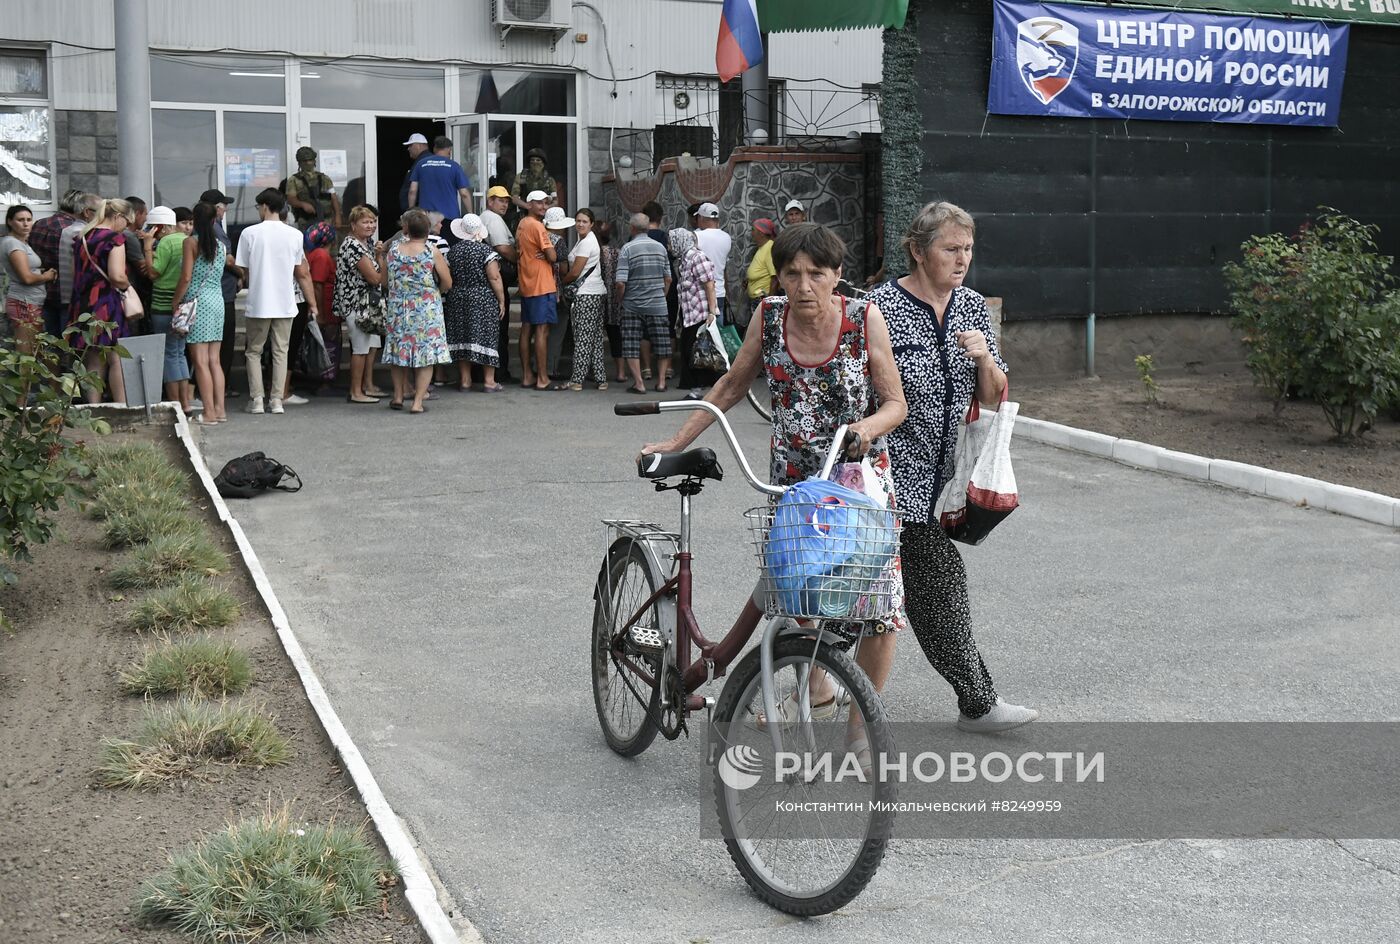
(946, 351)
(828, 362)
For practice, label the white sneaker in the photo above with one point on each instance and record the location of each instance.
(274, 406)
(255, 406)
(295, 399)
(1002, 717)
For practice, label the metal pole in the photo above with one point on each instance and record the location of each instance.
(133, 40)
(754, 86)
(1089, 325)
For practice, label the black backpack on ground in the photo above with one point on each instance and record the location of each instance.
(248, 475)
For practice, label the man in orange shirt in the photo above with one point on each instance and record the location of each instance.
(538, 301)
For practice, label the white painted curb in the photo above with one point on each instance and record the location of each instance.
(418, 887)
(1281, 486)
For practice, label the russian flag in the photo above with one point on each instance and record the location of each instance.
(740, 44)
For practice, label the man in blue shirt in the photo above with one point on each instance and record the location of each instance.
(439, 183)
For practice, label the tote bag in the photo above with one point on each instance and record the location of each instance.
(982, 491)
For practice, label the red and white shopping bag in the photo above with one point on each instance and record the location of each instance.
(982, 490)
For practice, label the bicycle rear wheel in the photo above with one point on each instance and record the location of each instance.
(626, 691)
(805, 864)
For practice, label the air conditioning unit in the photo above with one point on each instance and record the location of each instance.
(549, 15)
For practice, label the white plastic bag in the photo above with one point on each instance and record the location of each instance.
(982, 490)
(860, 476)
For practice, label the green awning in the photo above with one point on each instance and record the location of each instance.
(788, 16)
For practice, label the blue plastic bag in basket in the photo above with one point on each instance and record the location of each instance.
(821, 548)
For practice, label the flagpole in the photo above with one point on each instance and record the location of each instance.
(754, 84)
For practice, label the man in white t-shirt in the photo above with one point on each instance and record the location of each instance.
(270, 253)
(714, 243)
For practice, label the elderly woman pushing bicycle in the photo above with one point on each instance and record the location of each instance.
(828, 362)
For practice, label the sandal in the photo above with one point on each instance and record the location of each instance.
(557, 386)
(395, 406)
(788, 711)
(642, 390)
(861, 748)
(602, 385)
(575, 387)
(421, 409)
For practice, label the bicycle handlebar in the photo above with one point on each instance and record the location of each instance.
(838, 441)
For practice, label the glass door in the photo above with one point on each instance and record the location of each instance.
(493, 149)
(345, 151)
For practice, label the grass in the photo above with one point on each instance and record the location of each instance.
(167, 558)
(178, 739)
(130, 528)
(266, 878)
(205, 667)
(190, 605)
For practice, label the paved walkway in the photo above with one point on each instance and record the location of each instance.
(438, 570)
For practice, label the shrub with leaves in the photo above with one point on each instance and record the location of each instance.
(207, 667)
(180, 739)
(1320, 314)
(38, 462)
(190, 605)
(266, 878)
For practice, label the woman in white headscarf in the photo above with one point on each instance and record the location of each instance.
(476, 304)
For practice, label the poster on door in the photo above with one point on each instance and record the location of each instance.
(335, 165)
(252, 167)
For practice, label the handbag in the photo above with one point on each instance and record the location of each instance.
(184, 317)
(727, 342)
(375, 318)
(313, 358)
(705, 356)
(982, 490)
(132, 308)
(569, 292)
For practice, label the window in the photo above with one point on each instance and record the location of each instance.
(26, 155)
(185, 150)
(237, 80)
(254, 159)
(372, 85)
(515, 92)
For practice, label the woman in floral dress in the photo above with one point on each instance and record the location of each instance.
(476, 304)
(828, 362)
(416, 339)
(99, 281)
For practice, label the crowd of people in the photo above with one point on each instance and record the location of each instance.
(432, 303)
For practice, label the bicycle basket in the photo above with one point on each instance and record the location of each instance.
(825, 552)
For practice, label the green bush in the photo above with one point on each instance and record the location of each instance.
(178, 739)
(202, 666)
(266, 878)
(147, 522)
(1320, 314)
(167, 558)
(190, 605)
(38, 462)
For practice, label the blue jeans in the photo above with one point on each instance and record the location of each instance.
(177, 366)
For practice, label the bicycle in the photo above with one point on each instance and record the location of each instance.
(646, 683)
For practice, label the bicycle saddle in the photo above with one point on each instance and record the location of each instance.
(698, 463)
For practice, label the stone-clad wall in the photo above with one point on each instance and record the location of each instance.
(85, 154)
(754, 183)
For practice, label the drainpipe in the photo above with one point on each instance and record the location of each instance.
(1089, 324)
(754, 87)
(133, 99)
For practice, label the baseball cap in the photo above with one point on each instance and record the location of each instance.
(160, 216)
(766, 226)
(794, 205)
(498, 191)
(708, 211)
(415, 138)
(534, 195)
(214, 196)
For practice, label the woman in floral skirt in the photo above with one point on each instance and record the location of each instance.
(417, 339)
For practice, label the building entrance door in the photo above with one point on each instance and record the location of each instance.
(345, 149)
(493, 150)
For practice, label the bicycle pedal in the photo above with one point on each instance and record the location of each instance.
(646, 638)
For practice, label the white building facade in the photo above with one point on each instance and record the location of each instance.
(237, 88)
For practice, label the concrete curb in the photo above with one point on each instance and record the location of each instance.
(418, 885)
(1256, 480)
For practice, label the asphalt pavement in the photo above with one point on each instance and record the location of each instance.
(438, 570)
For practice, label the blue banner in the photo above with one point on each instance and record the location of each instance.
(1059, 61)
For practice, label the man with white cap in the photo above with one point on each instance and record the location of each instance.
(439, 183)
(794, 213)
(715, 243)
(538, 299)
(417, 146)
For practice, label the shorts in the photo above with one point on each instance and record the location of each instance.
(360, 343)
(177, 366)
(539, 309)
(23, 313)
(649, 323)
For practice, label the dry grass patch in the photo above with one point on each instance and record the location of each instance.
(181, 739)
(168, 558)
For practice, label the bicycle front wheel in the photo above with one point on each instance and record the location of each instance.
(626, 674)
(799, 861)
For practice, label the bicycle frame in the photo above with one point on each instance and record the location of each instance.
(715, 657)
